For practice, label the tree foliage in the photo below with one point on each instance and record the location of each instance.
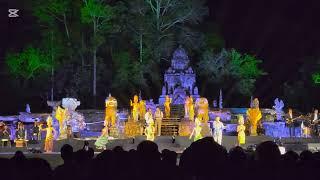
(29, 63)
(231, 67)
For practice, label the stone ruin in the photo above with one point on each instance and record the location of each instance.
(179, 79)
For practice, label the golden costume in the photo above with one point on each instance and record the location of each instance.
(167, 106)
(189, 108)
(135, 108)
(202, 110)
(111, 111)
(254, 116)
(48, 144)
(62, 115)
(142, 109)
(241, 131)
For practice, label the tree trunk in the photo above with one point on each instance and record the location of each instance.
(52, 68)
(141, 50)
(94, 89)
(65, 26)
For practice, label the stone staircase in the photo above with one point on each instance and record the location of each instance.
(170, 126)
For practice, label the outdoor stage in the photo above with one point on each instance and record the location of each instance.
(177, 144)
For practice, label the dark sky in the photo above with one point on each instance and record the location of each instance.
(280, 32)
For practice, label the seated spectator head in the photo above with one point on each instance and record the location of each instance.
(66, 152)
(237, 154)
(268, 151)
(291, 156)
(148, 150)
(169, 157)
(306, 155)
(19, 156)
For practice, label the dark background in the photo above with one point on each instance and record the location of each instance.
(280, 32)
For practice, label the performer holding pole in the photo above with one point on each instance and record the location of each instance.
(218, 127)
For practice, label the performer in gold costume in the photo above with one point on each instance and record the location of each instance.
(48, 144)
(167, 106)
(254, 116)
(189, 108)
(196, 132)
(62, 115)
(202, 106)
(142, 109)
(135, 108)
(111, 111)
(150, 131)
(241, 131)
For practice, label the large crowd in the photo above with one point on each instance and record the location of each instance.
(204, 159)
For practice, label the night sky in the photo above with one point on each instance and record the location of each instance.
(280, 32)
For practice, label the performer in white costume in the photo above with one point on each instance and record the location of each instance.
(218, 127)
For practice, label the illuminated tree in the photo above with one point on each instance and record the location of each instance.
(316, 78)
(231, 67)
(28, 64)
(98, 15)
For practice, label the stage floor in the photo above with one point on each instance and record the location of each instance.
(163, 142)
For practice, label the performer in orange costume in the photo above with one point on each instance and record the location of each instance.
(254, 116)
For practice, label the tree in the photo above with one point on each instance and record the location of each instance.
(29, 63)
(98, 15)
(231, 69)
(128, 76)
(167, 16)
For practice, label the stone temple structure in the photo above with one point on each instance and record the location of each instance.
(179, 79)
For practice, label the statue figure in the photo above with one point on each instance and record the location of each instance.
(254, 116)
(278, 105)
(28, 109)
(62, 115)
(111, 111)
(164, 91)
(135, 108)
(202, 107)
(215, 103)
(189, 108)
(186, 107)
(220, 100)
(196, 132)
(167, 106)
(195, 91)
(142, 109)
(150, 131)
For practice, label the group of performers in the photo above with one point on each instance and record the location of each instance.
(310, 124)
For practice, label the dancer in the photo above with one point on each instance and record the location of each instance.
(218, 128)
(196, 132)
(241, 131)
(150, 131)
(101, 142)
(158, 116)
(48, 144)
(148, 116)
